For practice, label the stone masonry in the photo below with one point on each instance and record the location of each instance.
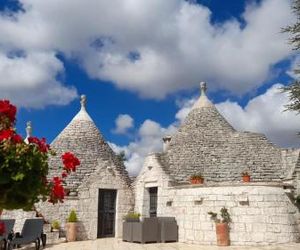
(206, 143)
(100, 168)
(262, 212)
(83, 138)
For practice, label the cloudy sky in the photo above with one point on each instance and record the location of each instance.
(140, 63)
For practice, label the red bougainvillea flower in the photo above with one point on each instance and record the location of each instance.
(70, 161)
(58, 192)
(2, 228)
(42, 144)
(64, 174)
(8, 110)
(6, 134)
(10, 134)
(17, 138)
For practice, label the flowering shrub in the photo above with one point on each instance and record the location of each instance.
(2, 228)
(24, 167)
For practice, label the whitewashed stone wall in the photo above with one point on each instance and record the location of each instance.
(85, 205)
(50, 212)
(88, 201)
(261, 213)
(151, 175)
(19, 215)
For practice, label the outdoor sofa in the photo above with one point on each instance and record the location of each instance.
(31, 233)
(9, 225)
(153, 229)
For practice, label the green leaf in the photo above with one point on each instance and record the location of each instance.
(18, 177)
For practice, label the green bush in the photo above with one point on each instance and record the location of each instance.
(72, 216)
(55, 224)
(132, 215)
(224, 215)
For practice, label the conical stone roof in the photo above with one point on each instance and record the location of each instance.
(206, 143)
(84, 139)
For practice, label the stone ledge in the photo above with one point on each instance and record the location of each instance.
(231, 184)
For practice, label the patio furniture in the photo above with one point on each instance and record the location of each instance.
(31, 233)
(9, 225)
(168, 229)
(145, 231)
(127, 231)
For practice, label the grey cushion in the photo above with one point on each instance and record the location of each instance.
(9, 225)
(145, 231)
(31, 232)
(168, 229)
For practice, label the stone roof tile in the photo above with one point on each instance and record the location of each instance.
(206, 143)
(84, 139)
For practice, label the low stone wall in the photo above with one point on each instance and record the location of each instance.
(85, 205)
(19, 215)
(261, 214)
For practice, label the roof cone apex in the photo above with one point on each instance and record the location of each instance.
(203, 101)
(82, 114)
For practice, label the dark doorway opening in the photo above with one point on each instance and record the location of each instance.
(106, 213)
(153, 201)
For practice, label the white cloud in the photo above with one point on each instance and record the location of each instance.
(30, 80)
(169, 45)
(294, 66)
(123, 122)
(264, 114)
(148, 139)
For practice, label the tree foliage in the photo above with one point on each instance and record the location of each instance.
(24, 166)
(121, 156)
(293, 89)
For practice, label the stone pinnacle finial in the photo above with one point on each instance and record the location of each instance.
(203, 88)
(28, 129)
(83, 101)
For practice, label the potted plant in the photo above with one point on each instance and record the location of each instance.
(197, 179)
(132, 217)
(222, 227)
(55, 226)
(245, 176)
(71, 226)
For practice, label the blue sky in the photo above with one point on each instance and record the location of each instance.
(145, 61)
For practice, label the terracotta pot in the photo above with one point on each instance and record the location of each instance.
(197, 181)
(222, 231)
(246, 178)
(71, 231)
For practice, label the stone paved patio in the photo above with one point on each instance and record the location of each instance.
(117, 244)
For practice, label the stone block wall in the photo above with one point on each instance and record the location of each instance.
(88, 201)
(19, 215)
(261, 213)
(85, 205)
